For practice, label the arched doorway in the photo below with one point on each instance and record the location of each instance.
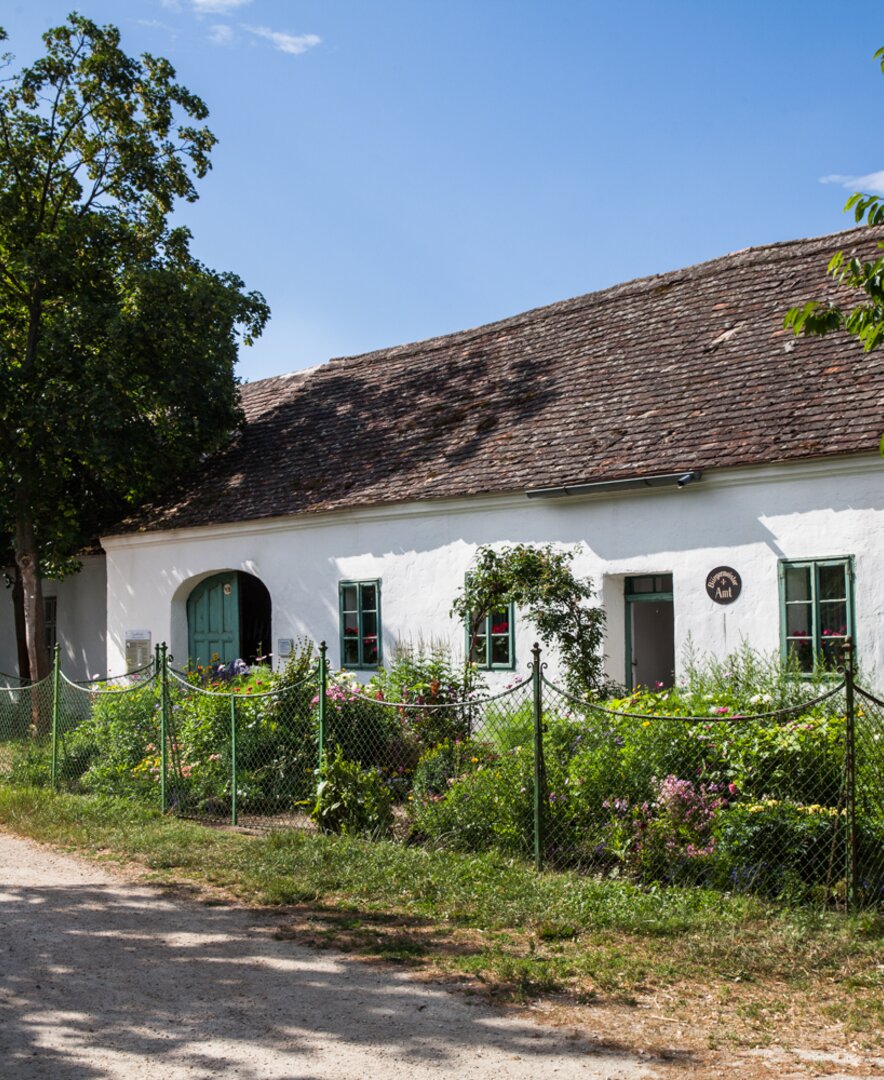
(228, 617)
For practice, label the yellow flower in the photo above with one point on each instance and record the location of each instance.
(474, 760)
(646, 723)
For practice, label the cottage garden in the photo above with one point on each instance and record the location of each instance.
(737, 779)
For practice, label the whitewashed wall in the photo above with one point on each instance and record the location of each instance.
(748, 519)
(81, 606)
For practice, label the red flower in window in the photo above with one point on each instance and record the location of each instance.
(500, 628)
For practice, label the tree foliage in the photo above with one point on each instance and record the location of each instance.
(117, 346)
(540, 581)
(865, 320)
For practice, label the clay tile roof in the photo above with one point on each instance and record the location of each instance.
(685, 370)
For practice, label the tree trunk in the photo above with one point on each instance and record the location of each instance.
(32, 601)
(21, 645)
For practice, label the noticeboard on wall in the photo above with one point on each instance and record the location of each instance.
(138, 654)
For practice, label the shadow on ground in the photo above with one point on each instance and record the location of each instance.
(100, 980)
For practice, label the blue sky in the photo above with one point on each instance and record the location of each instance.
(392, 170)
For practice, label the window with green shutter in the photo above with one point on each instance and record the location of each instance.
(816, 610)
(360, 605)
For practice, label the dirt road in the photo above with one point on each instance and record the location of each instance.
(103, 979)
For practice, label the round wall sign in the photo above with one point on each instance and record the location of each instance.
(724, 585)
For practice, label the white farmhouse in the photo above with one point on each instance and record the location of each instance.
(720, 477)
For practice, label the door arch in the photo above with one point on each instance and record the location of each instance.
(228, 617)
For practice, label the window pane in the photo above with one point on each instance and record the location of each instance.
(663, 583)
(798, 620)
(640, 584)
(833, 583)
(351, 651)
(833, 618)
(802, 651)
(350, 594)
(798, 583)
(369, 598)
(478, 648)
(370, 650)
(832, 651)
(370, 624)
(500, 622)
(500, 650)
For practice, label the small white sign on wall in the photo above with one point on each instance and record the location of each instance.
(285, 647)
(138, 652)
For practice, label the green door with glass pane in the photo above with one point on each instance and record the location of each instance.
(213, 620)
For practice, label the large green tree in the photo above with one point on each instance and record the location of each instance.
(117, 347)
(865, 318)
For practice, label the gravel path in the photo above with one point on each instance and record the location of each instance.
(100, 978)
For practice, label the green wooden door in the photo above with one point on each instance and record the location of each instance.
(213, 620)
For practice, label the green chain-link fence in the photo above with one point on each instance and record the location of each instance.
(787, 803)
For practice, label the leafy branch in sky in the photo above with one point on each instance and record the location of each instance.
(865, 319)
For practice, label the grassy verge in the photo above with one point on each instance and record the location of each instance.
(731, 970)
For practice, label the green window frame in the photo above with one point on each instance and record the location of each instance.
(493, 646)
(359, 604)
(816, 610)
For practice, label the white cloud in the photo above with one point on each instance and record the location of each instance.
(294, 44)
(220, 34)
(872, 183)
(217, 7)
(160, 27)
(171, 5)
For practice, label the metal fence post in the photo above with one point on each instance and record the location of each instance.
(539, 770)
(323, 686)
(850, 774)
(164, 722)
(56, 671)
(233, 814)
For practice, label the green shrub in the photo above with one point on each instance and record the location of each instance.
(30, 764)
(113, 751)
(429, 676)
(441, 766)
(363, 727)
(488, 806)
(794, 851)
(351, 799)
(276, 749)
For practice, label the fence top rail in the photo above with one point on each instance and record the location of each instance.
(181, 677)
(775, 714)
(108, 689)
(869, 696)
(357, 695)
(24, 684)
(115, 678)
